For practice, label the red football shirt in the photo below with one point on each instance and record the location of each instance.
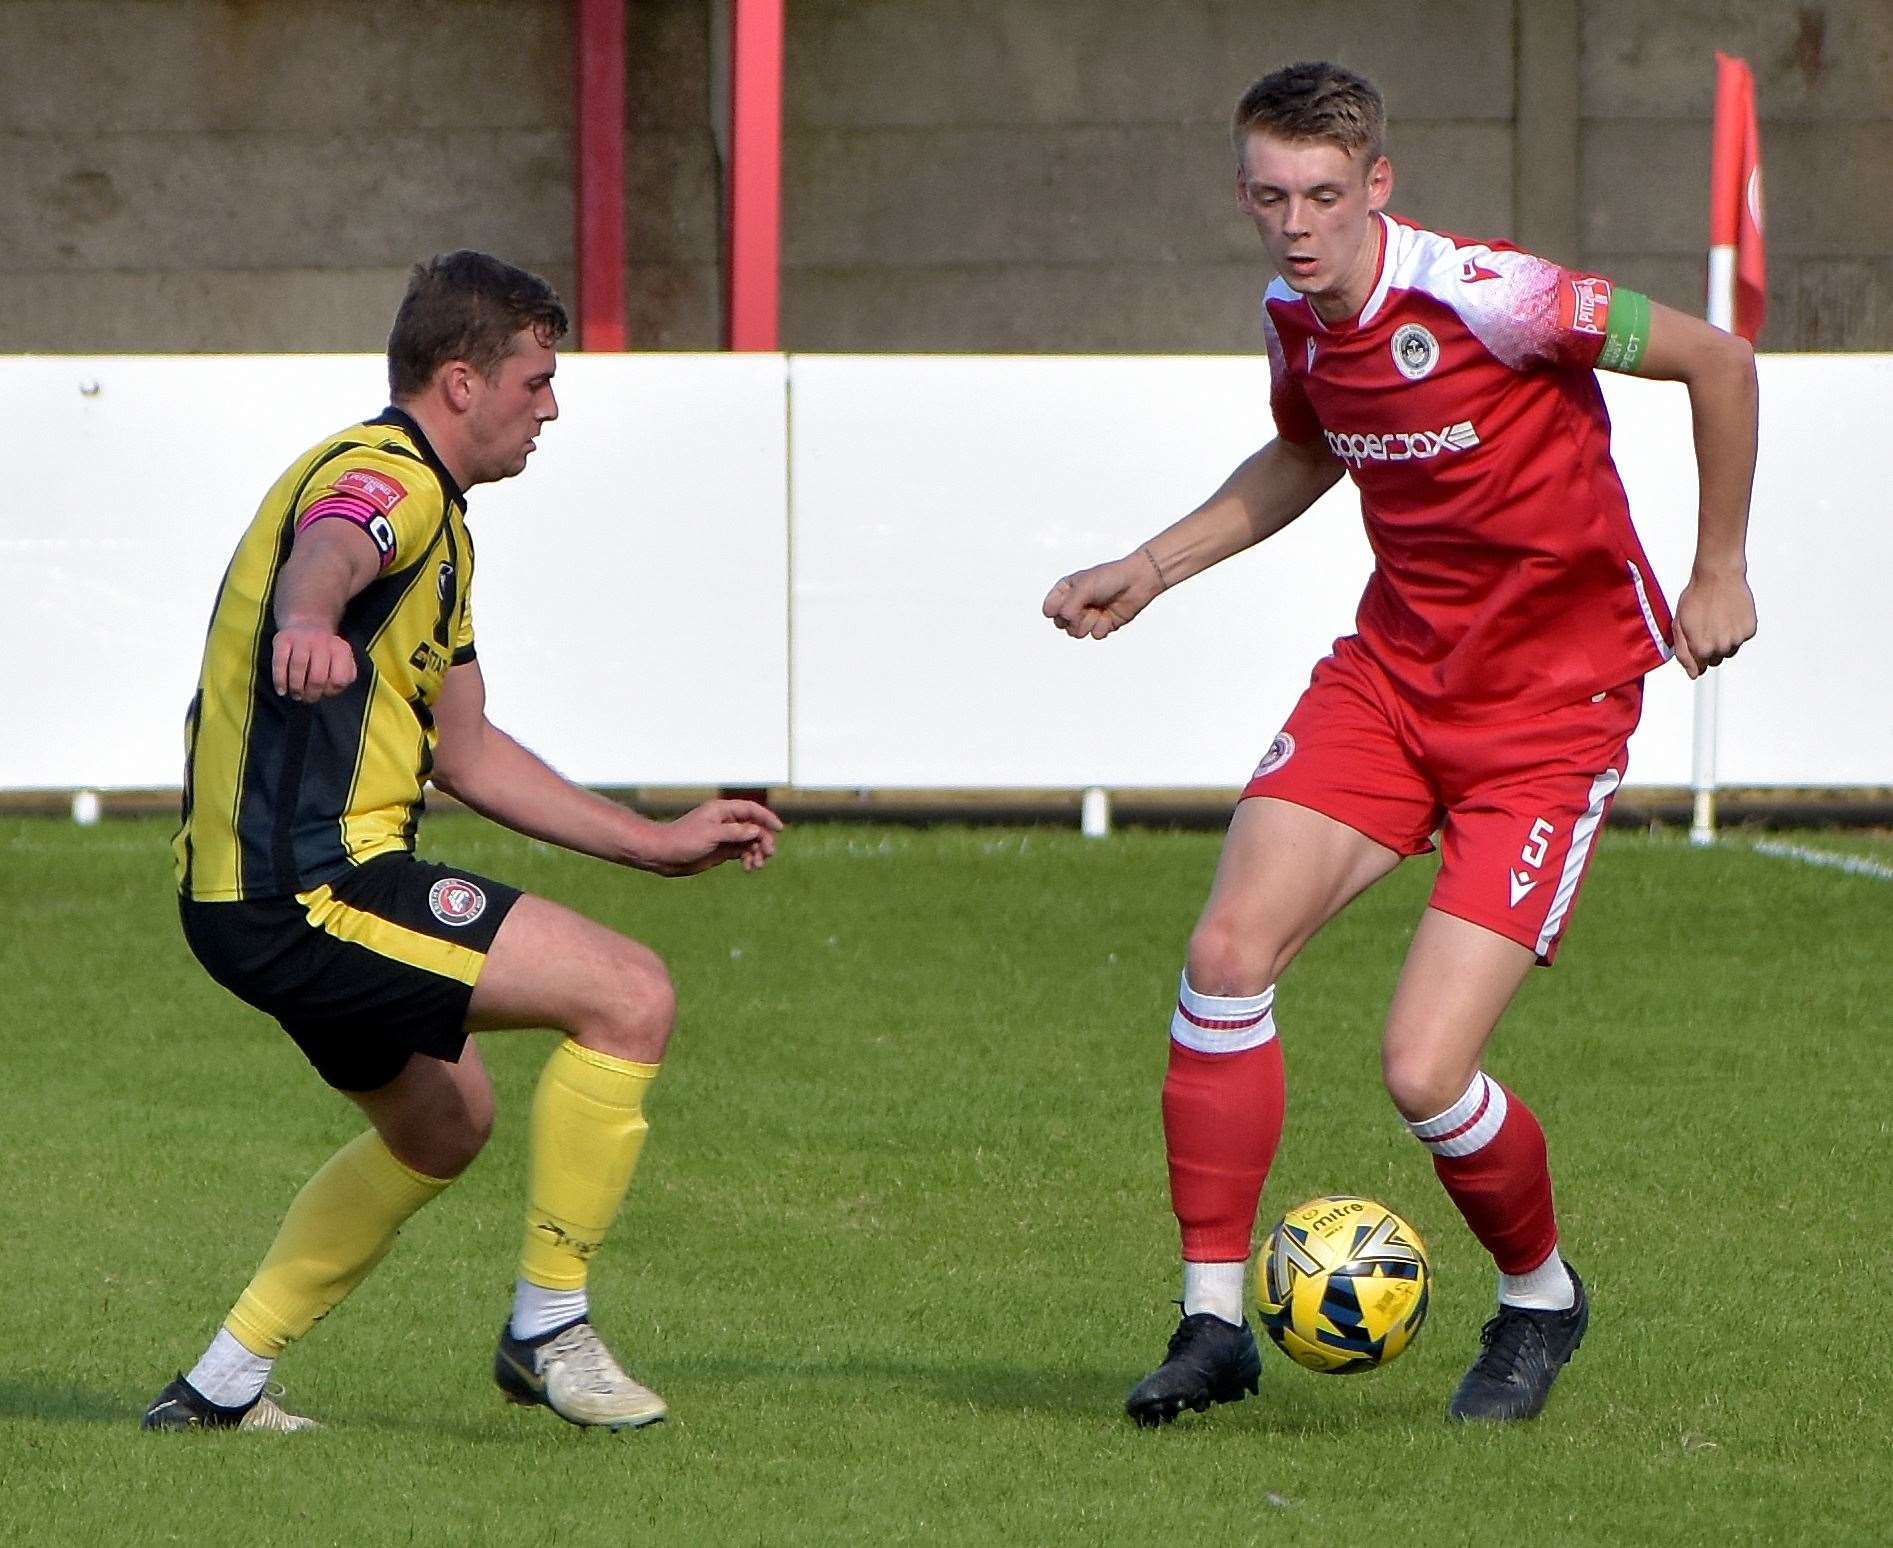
(1507, 577)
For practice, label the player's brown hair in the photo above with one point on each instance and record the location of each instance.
(1315, 101)
(466, 306)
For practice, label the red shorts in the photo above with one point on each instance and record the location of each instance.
(1518, 804)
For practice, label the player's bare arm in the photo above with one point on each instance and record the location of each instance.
(1266, 492)
(480, 764)
(1715, 615)
(330, 562)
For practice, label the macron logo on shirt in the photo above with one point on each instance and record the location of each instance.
(1402, 445)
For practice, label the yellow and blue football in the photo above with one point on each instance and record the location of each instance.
(1342, 1285)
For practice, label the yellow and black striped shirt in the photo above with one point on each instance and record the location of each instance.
(280, 797)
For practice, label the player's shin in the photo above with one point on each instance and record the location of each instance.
(1489, 1153)
(588, 1127)
(1223, 1100)
(339, 1227)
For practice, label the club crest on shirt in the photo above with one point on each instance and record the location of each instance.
(1415, 351)
(1280, 751)
(455, 901)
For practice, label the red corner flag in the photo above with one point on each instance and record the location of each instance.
(1738, 271)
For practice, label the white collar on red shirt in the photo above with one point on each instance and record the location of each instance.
(1383, 281)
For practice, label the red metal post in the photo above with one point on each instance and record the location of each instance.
(598, 158)
(755, 202)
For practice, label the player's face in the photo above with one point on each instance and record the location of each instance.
(507, 412)
(1313, 204)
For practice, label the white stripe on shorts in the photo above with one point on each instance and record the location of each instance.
(1221, 1024)
(1583, 834)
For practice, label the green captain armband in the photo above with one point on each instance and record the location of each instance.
(1627, 334)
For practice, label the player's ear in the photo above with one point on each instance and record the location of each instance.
(1242, 191)
(1379, 183)
(456, 384)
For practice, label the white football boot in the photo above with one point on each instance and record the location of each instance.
(572, 1373)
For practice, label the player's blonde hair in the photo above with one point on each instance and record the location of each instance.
(1315, 101)
(466, 306)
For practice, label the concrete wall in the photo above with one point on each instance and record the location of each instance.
(200, 176)
(993, 175)
(1058, 176)
(1824, 76)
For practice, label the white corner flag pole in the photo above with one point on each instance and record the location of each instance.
(1702, 824)
(1736, 265)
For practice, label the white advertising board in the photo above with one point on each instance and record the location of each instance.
(632, 586)
(937, 499)
(935, 503)
(827, 571)
(1810, 702)
(134, 478)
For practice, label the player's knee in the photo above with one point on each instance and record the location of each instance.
(463, 1127)
(1422, 1081)
(455, 1145)
(1227, 960)
(637, 1008)
(477, 1122)
(443, 1138)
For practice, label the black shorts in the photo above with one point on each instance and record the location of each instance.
(363, 971)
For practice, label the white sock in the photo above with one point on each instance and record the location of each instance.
(537, 1310)
(1215, 1288)
(229, 1375)
(1545, 1288)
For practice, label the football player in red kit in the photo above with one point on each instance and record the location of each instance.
(1487, 694)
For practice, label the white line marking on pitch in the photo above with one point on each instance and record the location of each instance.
(1853, 865)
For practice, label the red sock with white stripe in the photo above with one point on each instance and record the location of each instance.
(1223, 1100)
(1489, 1153)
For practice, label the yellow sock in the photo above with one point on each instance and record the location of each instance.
(337, 1229)
(587, 1129)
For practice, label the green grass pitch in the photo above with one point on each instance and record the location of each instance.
(900, 1241)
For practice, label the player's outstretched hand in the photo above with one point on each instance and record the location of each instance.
(712, 833)
(1095, 602)
(309, 663)
(1715, 617)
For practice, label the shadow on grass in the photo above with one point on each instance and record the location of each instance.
(1073, 1392)
(1088, 1394)
(485, 1426)
(47, 1397)
(991, 1387)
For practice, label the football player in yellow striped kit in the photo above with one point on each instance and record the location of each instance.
(339, 677)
